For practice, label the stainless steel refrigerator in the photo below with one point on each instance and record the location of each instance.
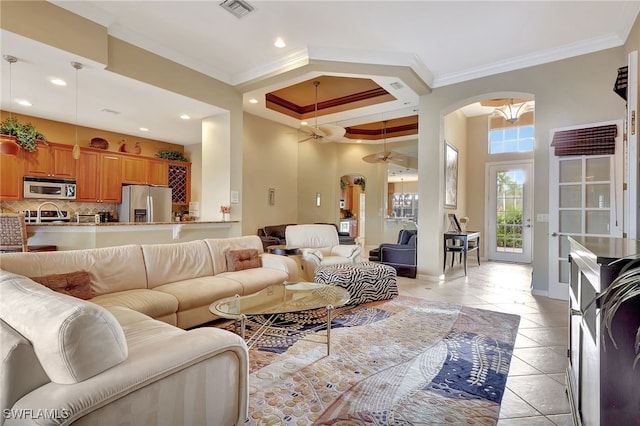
(143, 203)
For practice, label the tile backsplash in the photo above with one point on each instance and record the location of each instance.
(71, 207)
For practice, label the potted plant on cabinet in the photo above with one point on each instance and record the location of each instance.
(622, 290)
(26, 135)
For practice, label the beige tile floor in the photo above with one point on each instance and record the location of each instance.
(535, 392)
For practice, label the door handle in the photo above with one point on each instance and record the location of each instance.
(554, 234)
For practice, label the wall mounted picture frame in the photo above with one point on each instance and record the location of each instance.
(450, 176)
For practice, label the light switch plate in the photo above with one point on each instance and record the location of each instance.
(542, 217)
(235, 197)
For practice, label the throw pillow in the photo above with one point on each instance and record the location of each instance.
(238, 260)
(76, 284)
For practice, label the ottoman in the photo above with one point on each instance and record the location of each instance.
(365, 281)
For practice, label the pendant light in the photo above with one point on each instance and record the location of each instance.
(510, 112)
(76, 147)
(7, 145)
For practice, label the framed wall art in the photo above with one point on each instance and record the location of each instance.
(450, 176)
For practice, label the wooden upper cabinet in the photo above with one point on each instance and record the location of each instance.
(87, 188)
(11, 167)
(145, 171)
(158, 172)
(52, 160)
(99, 177)
(134, 170)
(110, 179)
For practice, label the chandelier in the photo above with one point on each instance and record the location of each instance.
(511, 112)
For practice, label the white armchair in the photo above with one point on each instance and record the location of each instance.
(320, 245)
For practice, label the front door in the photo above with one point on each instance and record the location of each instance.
(510, 192)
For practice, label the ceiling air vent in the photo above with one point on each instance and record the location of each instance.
(237, 8)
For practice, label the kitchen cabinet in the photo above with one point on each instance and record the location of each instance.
(134, 170)
(144, 171)
(157, 172)
(180, 182)
(99, 177)
(11, 168)
(602, 384)
(52, 160)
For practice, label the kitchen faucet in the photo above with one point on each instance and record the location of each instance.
(44, 204)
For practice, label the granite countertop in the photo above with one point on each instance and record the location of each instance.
(191, 222)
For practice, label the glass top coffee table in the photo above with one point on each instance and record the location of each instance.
(281, 299)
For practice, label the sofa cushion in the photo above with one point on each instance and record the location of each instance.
(153, 303)
(202, 291)
(21, 371)
(168, 263)
(111, 268)
(277, 231)
(238, 260)
(76, 284)
(72, 338)
(254, 280)
(218, 248)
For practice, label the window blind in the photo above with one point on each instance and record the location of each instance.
(599, 140)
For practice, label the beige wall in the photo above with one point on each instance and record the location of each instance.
(270, 160)
(565, 95)
(455, 133)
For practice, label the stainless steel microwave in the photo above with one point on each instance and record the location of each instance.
(49, 188)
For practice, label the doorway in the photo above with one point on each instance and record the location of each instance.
(510, 197)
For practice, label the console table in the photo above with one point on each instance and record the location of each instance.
(602, 385)
(460, 244)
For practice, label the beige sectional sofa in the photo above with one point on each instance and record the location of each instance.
(120, 359)
(174, 283)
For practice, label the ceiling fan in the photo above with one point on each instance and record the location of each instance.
(390, 156)
(324, 132)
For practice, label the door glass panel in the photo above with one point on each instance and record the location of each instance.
(598, 195)
(597, 222)
(570, 171)
(570, 196)
(509, 211)
(565, 247)
(570, 221)
(597, 169)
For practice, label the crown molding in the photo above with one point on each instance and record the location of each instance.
(538, 58)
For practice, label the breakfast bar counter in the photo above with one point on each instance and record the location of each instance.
(74, 236)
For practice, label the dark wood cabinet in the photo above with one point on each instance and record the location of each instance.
(603, 387)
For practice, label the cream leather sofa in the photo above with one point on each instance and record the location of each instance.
(319, 244)
(120, 360)
(174, 283)
(69, 361)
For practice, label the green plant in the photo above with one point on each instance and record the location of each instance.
(26, 134)
(169, 154)
(360, 181)
(624, 288)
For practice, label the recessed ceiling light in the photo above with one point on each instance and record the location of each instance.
(24, 102)
(253, 101)
(303, 123)
(359, 141)
(144, 129)
(279, 43)
(58, 82)
(185, 117)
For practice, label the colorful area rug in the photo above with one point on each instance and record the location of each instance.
(406, 361)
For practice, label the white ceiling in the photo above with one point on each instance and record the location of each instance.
(444, 42)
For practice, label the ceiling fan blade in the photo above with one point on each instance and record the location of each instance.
(305, 139)
(313, 130)
(332, 130)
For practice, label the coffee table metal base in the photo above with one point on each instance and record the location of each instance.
(263, 329)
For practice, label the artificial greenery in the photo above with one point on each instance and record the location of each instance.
(360, 181)
(169, 154)
(624, 288)
(26, 134)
